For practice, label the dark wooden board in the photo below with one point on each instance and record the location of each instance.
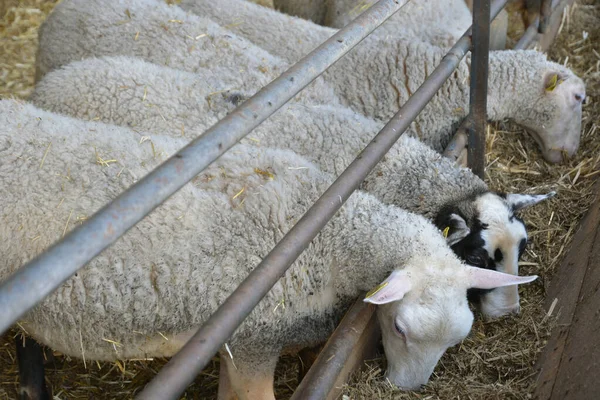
(568, 366)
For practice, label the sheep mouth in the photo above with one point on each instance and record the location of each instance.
(551, 155)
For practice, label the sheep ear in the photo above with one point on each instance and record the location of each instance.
(520, 201)
(481, 278)
(552, 80)
(457, 229)
(392, 289)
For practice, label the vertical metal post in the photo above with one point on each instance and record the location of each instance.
(478, 93)
(545, 14)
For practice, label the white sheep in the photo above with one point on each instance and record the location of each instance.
(382, 72)
(150, 98)
(184, 41)
(375, 79)
(164, 277)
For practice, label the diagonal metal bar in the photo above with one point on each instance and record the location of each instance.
(529, 35)
(545, 14)
(38, 278)
(181, 370)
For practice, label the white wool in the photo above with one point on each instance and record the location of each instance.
(375, 78)
(159, 100)
(170, 272)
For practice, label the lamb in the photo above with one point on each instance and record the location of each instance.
(150, 98)
(184, 259)
(378, 77)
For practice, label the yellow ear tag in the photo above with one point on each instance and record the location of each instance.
(376, 289)
(445, 232)
(554, 82)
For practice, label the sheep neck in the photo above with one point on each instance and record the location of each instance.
(511, 82)
(372, 239)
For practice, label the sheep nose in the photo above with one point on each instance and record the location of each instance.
(516, 310)
(579, 97)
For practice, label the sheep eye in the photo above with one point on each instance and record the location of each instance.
(399, 331)
(475, 260)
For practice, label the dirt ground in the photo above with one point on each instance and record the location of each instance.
(496, 360)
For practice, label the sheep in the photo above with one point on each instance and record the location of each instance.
(150, 98)
(374, 79)
(185, 41)
(164, 277)
(380, 75)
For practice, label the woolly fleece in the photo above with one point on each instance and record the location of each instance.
(166, 275)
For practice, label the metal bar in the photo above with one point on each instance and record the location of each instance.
(529, 36)
(531, 33)
(38, 278)
(458, 144)
(181, 370)
(545, 14)
(479, 83)
(338, 351)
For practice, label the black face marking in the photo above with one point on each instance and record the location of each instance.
(498, 256)
(522, 246)
(471, 248)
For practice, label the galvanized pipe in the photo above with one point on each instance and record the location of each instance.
(545, 14)
(531, 33)
(477, 118)
(38, 278)
(181, 370)
(529, 36)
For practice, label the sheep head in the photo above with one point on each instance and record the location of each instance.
(485, 231)
(544, 97)
(558, 113)
(423, 311)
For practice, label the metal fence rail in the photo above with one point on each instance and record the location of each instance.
(181, 370)
(545, 14)
(536, 28)
(38, 278)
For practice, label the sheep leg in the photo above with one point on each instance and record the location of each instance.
(249, 381)
(31, 370)
(225, 389)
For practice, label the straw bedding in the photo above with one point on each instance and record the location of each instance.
(496, 360)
